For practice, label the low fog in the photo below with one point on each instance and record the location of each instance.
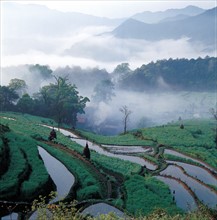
(87, 45)
(105, 51)
(148, 108)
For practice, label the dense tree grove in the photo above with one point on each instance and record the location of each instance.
(179, 74)
(59, 100)
(104, 91)
(7, 98)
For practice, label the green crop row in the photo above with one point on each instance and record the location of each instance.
(26, 173)
(88, 182)
(144, 195)
(128, 139)
(196, 139)
(123, 167)
(10, 181)
(207, 155)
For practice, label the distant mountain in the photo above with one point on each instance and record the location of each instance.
(40, 20)
(175, 18)
(32, 27)
(155, 17)
(200, 28)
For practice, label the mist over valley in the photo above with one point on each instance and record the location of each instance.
(159, 64)
(108, 106)
(156, 93)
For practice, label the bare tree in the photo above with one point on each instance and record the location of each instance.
(126, 113)
(213, 112)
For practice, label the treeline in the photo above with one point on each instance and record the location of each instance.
(59, 100)
(173, 74)
(179, 74)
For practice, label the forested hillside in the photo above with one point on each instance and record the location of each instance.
(179, 87)
(179, 74)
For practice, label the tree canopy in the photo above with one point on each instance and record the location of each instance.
(174, 74)
(62, 102)
(104, 91)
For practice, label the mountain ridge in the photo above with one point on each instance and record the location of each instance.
(155, 17)
(198, 28)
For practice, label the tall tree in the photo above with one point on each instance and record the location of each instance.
(63, 101)
(44, 71)
(121, 72)
(104, 91)
(18, 85)
(25, 104)
(7, 98)
(126, 113)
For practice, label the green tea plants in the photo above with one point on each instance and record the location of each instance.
(127, 139)
(196, 139)
(26, 176)
(88, 183)
(143, 195)
(63, 210)
(102, 178)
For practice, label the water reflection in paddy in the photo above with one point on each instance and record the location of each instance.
(12, 216)
(62, 178)
(175, 153)
(126, 149)
(102, 208)
(197, 172)
(204, 194)
(100, 150)
(183, 198)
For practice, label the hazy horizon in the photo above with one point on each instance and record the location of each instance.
(37, 35)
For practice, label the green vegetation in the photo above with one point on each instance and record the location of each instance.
(69, 211)
(26, 174)
(146, 194)
(88, 182)
(129, 139)
(122, 167)
(196, 139)
(139, 194)
(181, 159)
(187, 75)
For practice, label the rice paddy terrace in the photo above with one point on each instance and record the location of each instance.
(162, 167)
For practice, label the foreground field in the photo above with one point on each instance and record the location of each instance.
(126, 185)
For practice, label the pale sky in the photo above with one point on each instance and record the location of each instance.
(25, 48)
(118, 8)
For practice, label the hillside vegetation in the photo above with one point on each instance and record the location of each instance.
(196, 139)
(126, 185)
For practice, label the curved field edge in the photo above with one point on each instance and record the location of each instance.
(30, 128)
(144, 195)
(87, 184)
(196, 139)
(26, 177)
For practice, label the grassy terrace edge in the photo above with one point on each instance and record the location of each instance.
(28, 127)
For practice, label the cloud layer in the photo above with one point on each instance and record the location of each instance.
(87, 50)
